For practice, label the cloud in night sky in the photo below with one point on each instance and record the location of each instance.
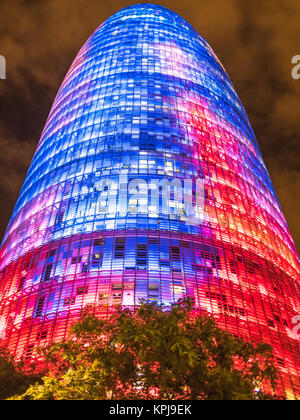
(254, 39)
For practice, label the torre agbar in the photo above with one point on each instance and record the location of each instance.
(145, 123)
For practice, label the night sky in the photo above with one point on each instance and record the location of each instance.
(254, 39)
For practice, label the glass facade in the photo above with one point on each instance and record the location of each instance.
(145, 122)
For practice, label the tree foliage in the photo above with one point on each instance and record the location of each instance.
(14, 378)
(154, 353)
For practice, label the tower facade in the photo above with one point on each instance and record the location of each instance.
(148, 183)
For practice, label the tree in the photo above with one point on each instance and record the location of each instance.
(154, 353)
(13, 377)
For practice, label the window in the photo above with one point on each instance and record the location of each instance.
(175, 253)
(69, 301)
(280, 361)
(119, 248)
(116, 286)
(184, 244)
(164, 263)
(202, 269)
(47, 272)
(52, 252)
(21, 283)
(103, 298)
(97, 259)
(85, 268)
(76, 260)
(213, 295)
(233, 267)
(59, 217)
(99, 242)
(141, 255)
(41, 335)
(29, 351)
(82, 290)
(10, 322)
(40, 305)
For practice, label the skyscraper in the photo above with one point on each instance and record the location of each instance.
(148, 183)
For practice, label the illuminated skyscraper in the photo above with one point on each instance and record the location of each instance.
(145, 103)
